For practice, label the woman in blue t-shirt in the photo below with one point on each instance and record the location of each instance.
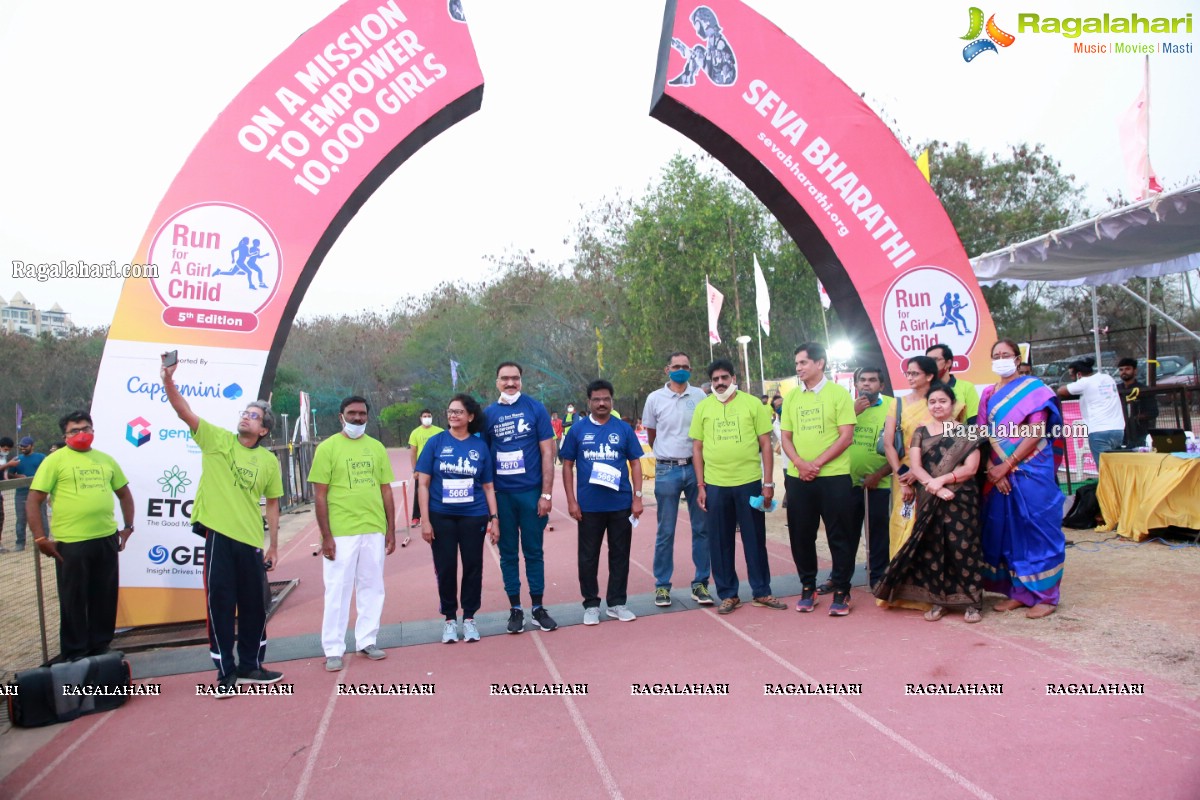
(458, 505)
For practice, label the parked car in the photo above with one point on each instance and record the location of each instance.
(1185, 376)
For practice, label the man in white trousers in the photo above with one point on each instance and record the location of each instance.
(356, 515)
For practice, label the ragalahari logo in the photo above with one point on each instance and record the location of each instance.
(137, 431)
(995, 36)
(174, 481)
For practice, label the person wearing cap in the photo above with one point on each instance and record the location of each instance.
(1099, 405)
(25, 465)
(82, 482)
(667, 416)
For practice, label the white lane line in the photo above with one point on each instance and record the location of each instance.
(950, 773)
(589, 742)
(958, 778)
(53, 765)
(319, 737)
(1067, 665)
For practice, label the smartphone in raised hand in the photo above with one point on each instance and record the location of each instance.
(170, 359)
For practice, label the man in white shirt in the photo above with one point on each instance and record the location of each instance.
(667, 416)
(1100, 406)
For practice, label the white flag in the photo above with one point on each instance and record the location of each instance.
(825, 301)
(762, 299)
(1134, 128)
(715, 299)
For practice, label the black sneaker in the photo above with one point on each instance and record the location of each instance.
(259, 676)
(226, 687)
(516, 621)
(543, 619)
(808, 600)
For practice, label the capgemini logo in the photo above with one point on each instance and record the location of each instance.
(995, 36)
(158, 554)
(137, 431)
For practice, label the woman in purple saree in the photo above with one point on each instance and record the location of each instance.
(1023, 543)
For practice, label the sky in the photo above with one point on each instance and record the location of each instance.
(104, 102)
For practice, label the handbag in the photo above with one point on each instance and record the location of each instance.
(39, 697)
(880, 447)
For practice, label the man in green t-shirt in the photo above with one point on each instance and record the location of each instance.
(416, 441)
(869, 470)
(356, 515)
(235, 471)
(733, 461)
(964, 391)
(817, 425)
(86, 541)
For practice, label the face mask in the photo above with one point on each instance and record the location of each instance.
(872, 397)
(1004, 367)
(354, 431)
(570, 409)
(80, 441)
(509, 399)
(426, 421)
(4, 456)
(680, 375)
(728, 393)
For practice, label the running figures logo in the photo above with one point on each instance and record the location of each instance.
(994, 37)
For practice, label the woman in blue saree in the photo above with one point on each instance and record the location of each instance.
(1023, 543)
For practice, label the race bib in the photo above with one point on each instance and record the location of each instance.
(510, 462)
(458, 490)
(606, 476)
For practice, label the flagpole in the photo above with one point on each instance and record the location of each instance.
(762, 378)
(706, 302)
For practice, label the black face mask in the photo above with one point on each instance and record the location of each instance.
(872, 396)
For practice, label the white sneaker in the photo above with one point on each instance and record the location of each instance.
(591, 616)
(450, 632)
(622, 613)
(470, 632)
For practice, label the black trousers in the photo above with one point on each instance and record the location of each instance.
(87, 595)
(455, 537)
(235, 588)
(876, 509)
(826, 499)
(620, 536)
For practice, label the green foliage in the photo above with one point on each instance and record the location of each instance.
(400, 418)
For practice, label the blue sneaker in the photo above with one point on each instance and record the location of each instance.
(808, 600)
(840, 606)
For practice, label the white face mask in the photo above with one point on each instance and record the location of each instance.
(509, 399)
(728, 393)
(570, 409)
(426, 421)
(354, 431)
(1004, 367)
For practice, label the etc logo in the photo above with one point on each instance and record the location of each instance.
(995, 36)
(137, 431)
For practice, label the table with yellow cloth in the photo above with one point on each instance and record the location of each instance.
(1141, 491)
(647, 461)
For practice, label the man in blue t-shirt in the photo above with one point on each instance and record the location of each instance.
(25, 465)
(609, 499)
(521, 439)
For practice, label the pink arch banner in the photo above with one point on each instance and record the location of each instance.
(237, 239)
(833, 174)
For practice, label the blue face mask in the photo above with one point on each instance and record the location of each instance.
(680, 375)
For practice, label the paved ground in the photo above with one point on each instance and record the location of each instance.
(463, 741)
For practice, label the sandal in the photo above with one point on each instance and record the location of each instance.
(935, 613)
(972, 615)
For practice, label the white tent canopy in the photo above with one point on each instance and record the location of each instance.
(1148, 239)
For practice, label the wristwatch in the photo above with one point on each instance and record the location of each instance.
(637, 494)
(547, 497)
(493, 516)
(768, 486)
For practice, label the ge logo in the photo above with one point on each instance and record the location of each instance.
(158, 554)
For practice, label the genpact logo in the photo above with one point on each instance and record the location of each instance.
(155, 391)
(158, 554)
(995, 36)
(137, 431)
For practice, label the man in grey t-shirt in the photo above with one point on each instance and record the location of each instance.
(667, 417)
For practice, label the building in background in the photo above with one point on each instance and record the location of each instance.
(21, 316)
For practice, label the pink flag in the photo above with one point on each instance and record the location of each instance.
(1134, 126)
(715, 299)
(825, 301)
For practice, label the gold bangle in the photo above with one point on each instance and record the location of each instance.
(41, 539)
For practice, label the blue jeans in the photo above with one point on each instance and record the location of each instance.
(670, 480)
(520, 524)
(1103, 441)
(19, 498)
(729, 507)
